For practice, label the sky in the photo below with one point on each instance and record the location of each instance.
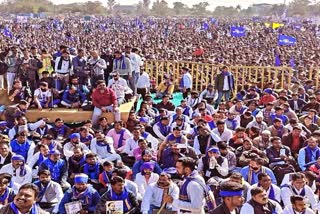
(213, 3)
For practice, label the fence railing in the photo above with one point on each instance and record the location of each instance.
(204, 74)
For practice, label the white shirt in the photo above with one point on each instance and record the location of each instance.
(248, 209)
(196, 196)
(185, 127)
(64, 66)
(136, 62)
(223, 169)
(131, 144)
(226, 84)
(143, 81)
(289, 210)
(42, 96)
(276, 189)
(120, 87)
(32, 162)
(27, 178)
(187, 80)
(196, 144)
(154, 142)
(31, 126)
(68, 149)
(226, 134)
(153, 196)
(286, 193)
(156, 130)
(99, 65)
(142, 182)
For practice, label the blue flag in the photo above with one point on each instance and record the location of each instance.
(277, 60)
(205, 26)
(7, 33)
(287, 40)
(292, 62)
(213, 20)
(238, 31)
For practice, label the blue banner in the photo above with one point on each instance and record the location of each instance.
(287, 40)
(238, 31)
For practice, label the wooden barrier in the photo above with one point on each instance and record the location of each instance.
(68, 115)
(204, 74)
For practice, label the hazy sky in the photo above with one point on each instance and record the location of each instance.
(213, 3)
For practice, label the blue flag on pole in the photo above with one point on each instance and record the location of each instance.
(287, 40)
(205, 26)
(238, 31)
(292, 62)
(7, 33)
(277, 60)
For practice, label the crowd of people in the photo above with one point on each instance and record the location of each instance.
(217, 151)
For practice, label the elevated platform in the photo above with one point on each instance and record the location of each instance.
(68, 115)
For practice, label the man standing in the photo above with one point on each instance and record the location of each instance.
(97, 68)
(153, 197)
(24, 202)
(191, 198)
(104, 99)
(224, 84)
(63, 66)
(185, 82)
(232, 197)
(260, 203)
(79, 63)
(122, 64)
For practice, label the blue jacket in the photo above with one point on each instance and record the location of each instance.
(245, 172)
(73, 98)
(92, 198)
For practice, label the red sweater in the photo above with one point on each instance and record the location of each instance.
(104, 99)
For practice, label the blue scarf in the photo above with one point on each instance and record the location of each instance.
(271, 193)
(145, 135)
(175, 139)
(226, 73)
(20, 149)
(124, 196)
(120, 142)
(42, 189)
(183, 189)
(122, 61)
(105, 176)
(61, 130)
(309, 155)
(165, 130)
(41, 158)
(103, 144)
(82, 196)
(186, 111)
(233, 123)
(52, 145)
(92, 171)
(55, 169)
(303, 192)
(85, 139)
(15, 210)
(181, 85)
(5, 197)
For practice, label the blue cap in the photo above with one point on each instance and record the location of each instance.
(54, 152)
(143, 120)
(18, 158)
(147, 165)
(268, 91)
(3, 123)
(213, 149)
(74, 135)
(81, 178)
(170, 170)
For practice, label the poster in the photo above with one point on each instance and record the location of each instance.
(114, 207)
(73, 207)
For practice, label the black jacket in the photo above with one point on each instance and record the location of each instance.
(222, 209)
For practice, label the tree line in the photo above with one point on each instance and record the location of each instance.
(158, 8)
